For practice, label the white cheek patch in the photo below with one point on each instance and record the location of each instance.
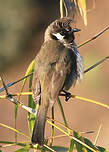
(59, 36)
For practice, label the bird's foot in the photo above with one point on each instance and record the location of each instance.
(67, 95)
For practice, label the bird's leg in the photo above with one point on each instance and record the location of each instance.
(66, 94)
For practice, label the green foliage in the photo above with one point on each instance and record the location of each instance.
(71, 145)
(60, 149)
(31, 117)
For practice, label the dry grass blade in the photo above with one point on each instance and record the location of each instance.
(15, 130)
(77, 140)
(82, 8)
(98, 133)
(61, 9)
(62, 125)
(90, 100)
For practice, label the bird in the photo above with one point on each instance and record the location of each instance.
(58, 66)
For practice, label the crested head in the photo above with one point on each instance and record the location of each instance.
(61, 30)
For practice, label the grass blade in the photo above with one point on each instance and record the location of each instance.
(31, 104)
(30, 68)
(62, 112)
(98, 133)
(74, 138)
(15, 130)
(60, 149)
(72, 143)
(52, 127)
(90, 100)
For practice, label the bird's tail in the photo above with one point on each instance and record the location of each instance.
(39, 127)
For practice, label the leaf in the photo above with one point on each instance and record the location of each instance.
(15, 120)
(79, 147)
(71, 145)
(25, 149)
(31, 117)
(52, 127)
(60, 149)
(89, 143)
(101, 149)
(29, 70)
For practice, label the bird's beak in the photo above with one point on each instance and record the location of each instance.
(76, 30)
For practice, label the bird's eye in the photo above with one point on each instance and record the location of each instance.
(63, 33)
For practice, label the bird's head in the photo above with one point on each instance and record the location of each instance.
(61, 30)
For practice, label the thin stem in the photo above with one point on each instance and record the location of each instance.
(12, 83)
(96, 64)
(94, 37)
(52, 128)
(62, 111)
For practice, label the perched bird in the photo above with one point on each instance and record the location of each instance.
(58, 66)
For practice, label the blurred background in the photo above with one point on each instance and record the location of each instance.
(22, 26)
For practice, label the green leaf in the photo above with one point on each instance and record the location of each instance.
(72, 143)
(15, 120)
(60, 149)
(62, 112)
(30, 68)
(52, 127)
(89, 143)
(31, 117)
(79, 147)
(101, 149)
(25, 149)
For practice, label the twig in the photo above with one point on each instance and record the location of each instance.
(96, 64)
(15, 101)
(12, 83)
(94, 37)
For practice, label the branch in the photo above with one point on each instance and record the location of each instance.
(94, 37)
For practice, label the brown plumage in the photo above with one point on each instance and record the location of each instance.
(58, 66)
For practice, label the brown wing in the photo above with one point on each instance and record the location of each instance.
(36, 89)
(58, 78)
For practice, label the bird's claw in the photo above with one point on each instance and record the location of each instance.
(67, 96)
